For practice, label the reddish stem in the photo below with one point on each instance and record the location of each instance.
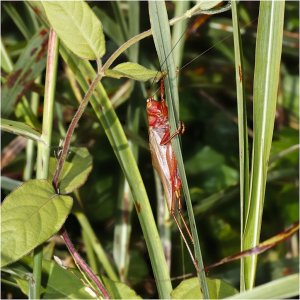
(80, 262)
(74, 122)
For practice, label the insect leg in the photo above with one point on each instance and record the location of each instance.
(185, 241)
(183, 221)
(167, 138)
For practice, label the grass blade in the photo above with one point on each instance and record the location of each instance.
(283, 288)
(20, 128)
(112, 126)
(122, 233)
(162, 39)
(242, 124)
(266, 77)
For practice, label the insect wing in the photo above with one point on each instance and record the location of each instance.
(159, 161)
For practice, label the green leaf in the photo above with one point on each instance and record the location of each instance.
(242, 119)
(65, 284)
(189, 289)
(265, 89)
(75, 172)
(22, 129)
(133, 71)
(77, 26)
(119, 290)
(29, 65)
(30, 215)
(283, 288)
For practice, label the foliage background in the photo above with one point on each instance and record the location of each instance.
(209, 146)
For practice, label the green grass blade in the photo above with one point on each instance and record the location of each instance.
(266, 77)
(9, 184)
(18, 20)
(242, 124)
(178, 32)
(162, 39)
(283, 288)
(20, 128)
(123, 228)
(109, 120)
(6, 63)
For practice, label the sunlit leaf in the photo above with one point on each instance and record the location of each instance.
(133, 71)
(75, 171)
(30, 215)
(77, 26)
(65, 284)
(189, 289)
(119, 290)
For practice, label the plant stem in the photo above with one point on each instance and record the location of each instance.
(193, 11)
(90, 91)
(81, 263)
(100, 253)
(44, 146)
(71, 129)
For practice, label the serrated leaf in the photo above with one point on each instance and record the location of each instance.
(119, 290)
(189, 289)
(77, 26)
(75, 171)
(29, 65)
(20, 128)
(31, 214)
(133, 71)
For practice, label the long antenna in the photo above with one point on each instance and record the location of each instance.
(202, 53)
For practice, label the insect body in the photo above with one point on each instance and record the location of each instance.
(164, 160)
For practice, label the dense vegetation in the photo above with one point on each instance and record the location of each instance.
(99, 212)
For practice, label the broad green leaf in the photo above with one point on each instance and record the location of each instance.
(58, 282)
(31, 214)
(29, 65)
(189, 289)
(119, 290)
(133, 71)
(20, 128)
(65, 284)
(77, 26)
(75, 171)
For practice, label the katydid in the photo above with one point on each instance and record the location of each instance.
(164, 160)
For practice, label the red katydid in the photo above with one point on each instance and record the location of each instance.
(164, 160)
